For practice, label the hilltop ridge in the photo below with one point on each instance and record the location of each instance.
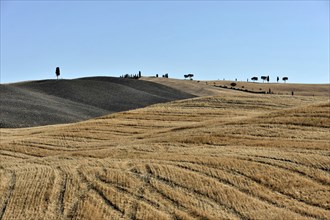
(46, 102)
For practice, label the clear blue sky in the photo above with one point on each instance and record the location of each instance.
(211, 39)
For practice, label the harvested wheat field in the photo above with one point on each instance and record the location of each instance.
(233, 155)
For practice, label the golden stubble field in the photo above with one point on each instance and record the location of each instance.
(229, 156)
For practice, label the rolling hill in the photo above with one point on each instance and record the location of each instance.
(210, 88)
(48, 102)
(233, 155)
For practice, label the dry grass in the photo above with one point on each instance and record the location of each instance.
(279, 88)
(233, 156)
(211, 88)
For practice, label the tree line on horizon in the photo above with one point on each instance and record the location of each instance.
(137, 76)
(132, 76)
(128, 76)
(255, 78)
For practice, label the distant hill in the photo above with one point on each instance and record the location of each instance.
(48, 102)
(279, 88)
(216, 87)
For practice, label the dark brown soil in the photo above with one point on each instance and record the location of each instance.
(48, 102)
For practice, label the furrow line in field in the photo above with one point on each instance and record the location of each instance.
(137, 197)
(298, 202)
(29, 154)
(11, 155)
(75, 138)
(106, 200)
(67, 139)
(320, 181)
(175, 204)
(195, 206)
(116, 131)
(92, 186)
(81, 197)
(21, 149)
(46, 147)
(61, 195)
(126, 191)
(171, 183)
(11, 187)
(45, 144)
(308, 203)
(246, 192)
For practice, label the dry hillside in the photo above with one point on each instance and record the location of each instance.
(279, 88)
(209, 88)
(230, 156)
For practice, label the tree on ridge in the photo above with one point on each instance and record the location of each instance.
(189, 76)
(57, 72)
(254, 78)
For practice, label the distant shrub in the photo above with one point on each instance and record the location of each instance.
(254, 78)
(233, 84)
(189, 76)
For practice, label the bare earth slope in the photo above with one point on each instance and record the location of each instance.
(52, 102)
(233, 156)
